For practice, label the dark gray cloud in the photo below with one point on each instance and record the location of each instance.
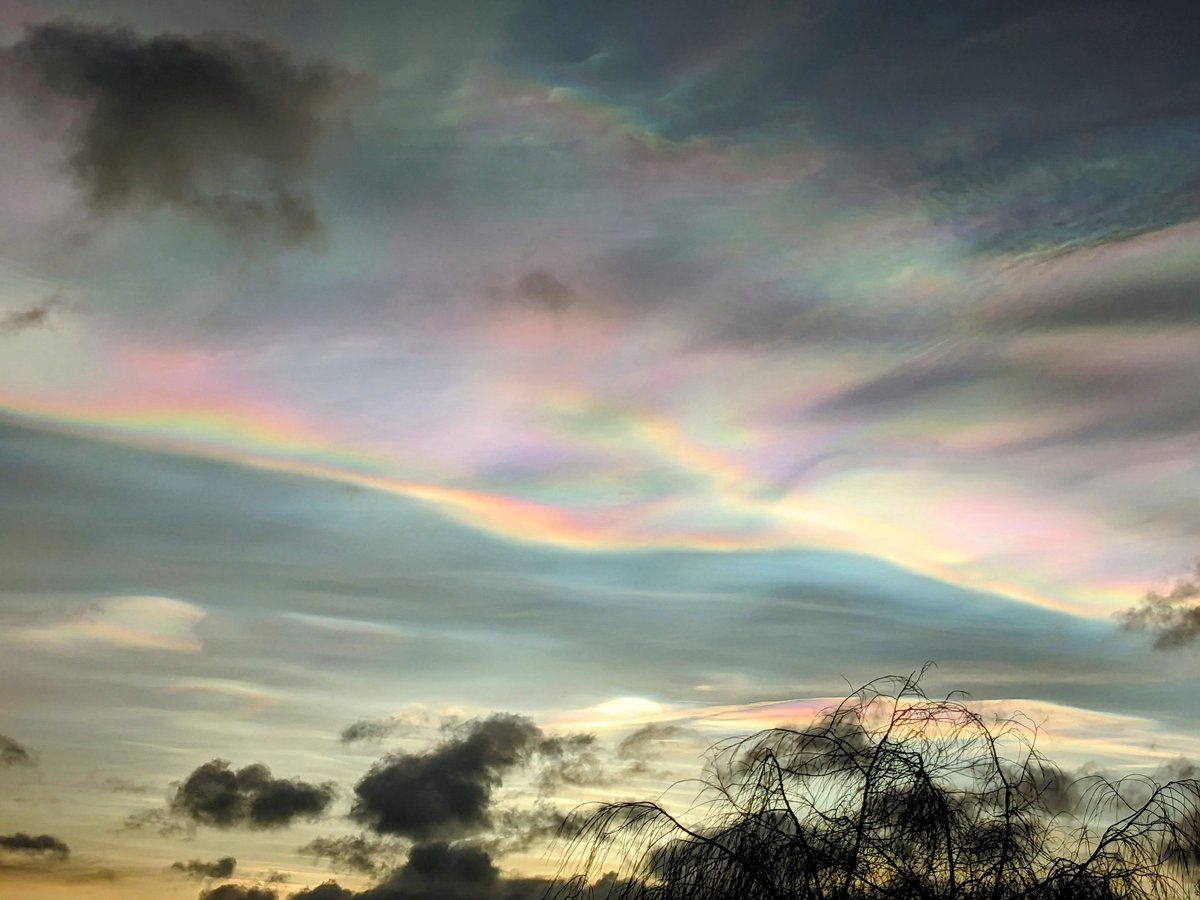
(219, 127)
(199, 868)
(643, 745)
(40, 845)
(543, 289)
(446, 791)
(442, 871)
(36, 316)
(221, 797)
(12, 753)
(517, 829)
(355, 853)
(238, 892)
(434, 869)
(573, 759)
(368, 731)
(1026, 125)
(1172, 618)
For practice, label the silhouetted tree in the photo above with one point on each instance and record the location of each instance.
(891, 794)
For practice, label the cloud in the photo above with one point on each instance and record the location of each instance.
(641, 742)
(220, 797)
(543, 289)
(36, 316)
(355, 853)
(13, 753)
(572, 759)
(238, 892)
(198, 868)
(1025, 127)
(442, 871)
(438, 870)
(147, 623)
(219, 127)
(368, 730)
(1172, 618)
(40, 845)
(446, 791)
(517, 829)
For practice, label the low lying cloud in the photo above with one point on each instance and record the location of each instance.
(12, 753)
(441, 871)
(238, 892)
(354, 853)
(44, 846)
(1171, 618)
(221, 797)
(198, 868)
(218, 127)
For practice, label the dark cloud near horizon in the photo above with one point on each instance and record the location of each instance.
(13, 753)
(368, 731)
(221, 797)
(441, 871)
(219, 127)
(1029, 125)
(199, 868)
(238, 892)
(40, 845)
(1172, 618)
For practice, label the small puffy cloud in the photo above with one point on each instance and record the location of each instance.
(1171, 618)
(199, 868)
(43, 846)
(12, 753)
(219, 127)
(368, 730)
(218, 796)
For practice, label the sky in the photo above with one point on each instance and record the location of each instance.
(419, 418)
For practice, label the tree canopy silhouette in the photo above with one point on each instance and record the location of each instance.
(892, 794)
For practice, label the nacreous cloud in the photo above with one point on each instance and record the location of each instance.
(219, 127)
